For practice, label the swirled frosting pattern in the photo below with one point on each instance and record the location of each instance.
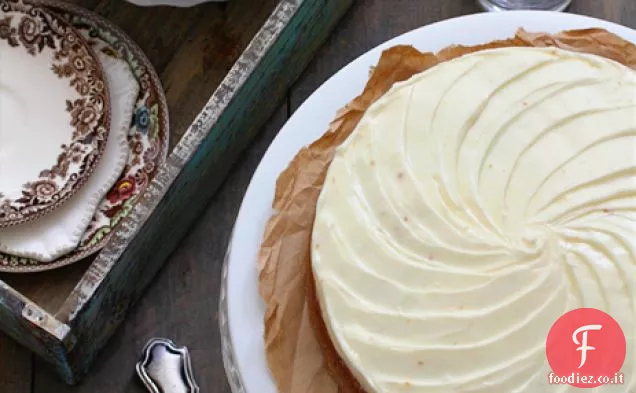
(474, 205)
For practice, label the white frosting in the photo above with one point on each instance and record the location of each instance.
(474, 205)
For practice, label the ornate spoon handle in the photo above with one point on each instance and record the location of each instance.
(166, 368)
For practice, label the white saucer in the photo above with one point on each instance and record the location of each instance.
(54, 112)
(242, 310)
(48, 237)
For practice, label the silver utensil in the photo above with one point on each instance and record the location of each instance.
(509, 5)
(166, 368)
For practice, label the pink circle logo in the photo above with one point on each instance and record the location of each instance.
(586, 348)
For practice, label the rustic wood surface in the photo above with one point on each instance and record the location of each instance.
(192, 52)
(71, 336)
(181, 304)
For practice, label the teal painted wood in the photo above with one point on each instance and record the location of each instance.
(35, 328)
(194, 170)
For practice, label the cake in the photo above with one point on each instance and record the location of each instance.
(471, 207)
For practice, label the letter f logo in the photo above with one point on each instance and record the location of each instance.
(568, 345)
(583, 344)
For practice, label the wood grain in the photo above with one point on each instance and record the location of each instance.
(15, 367)
(368, 25)
(71, 336)
(192, 52)
(182, 301)
(48, 289)
(204, 59)
(191, 175)
(618, 11)
(170, 308)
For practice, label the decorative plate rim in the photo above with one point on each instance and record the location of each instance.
(99, 128)
(72, 221)
(97, 22)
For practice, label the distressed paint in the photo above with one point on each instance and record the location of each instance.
(182, 152)
(35, 328)
(192, 173)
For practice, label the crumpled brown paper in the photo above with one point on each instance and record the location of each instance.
(298, 360)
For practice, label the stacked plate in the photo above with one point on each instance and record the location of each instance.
(83, 130)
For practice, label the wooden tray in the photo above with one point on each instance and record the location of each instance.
(225, 68)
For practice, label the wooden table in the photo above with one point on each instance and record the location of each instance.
(181, 304)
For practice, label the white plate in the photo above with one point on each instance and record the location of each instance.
(148, 135)
(242, 310)
(60, 231)
(54, 111)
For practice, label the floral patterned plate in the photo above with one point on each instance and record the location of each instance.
(54, 111)
(147, 138)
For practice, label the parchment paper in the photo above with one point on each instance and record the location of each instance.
(293, 352)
